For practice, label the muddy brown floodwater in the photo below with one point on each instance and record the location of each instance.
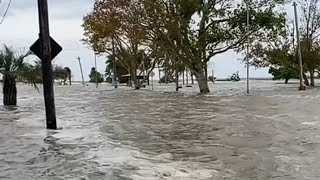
(127, 134)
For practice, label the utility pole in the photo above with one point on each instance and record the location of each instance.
(192, 81)
(213, 80)
(187, 78)
(47, 72)
(159, 73)
(248, 41)
(177, 77)
(301, 87)
(95, 64)
(79, 59)
(143, 69)
(114, 66)
(183, 77)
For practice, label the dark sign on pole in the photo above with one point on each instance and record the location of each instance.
(55, 48)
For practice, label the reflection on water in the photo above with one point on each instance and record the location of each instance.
(128, 134)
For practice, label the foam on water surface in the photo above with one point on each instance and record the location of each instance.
(150, 135)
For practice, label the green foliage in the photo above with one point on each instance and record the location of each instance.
(283, 73)
(11, 66)
(116, 27)
(120, 70)
(186, 32)
(62, 74)
(31, 73)
(193, 34)
(279, 48)
(10, 63)
(95, 76)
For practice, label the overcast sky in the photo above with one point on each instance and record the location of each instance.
(20, 29)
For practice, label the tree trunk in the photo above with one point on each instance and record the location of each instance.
(9, 91)
(192, 81)
(177, 79)
(136, 81)
(187, 78)
(202, 83)
(198, 70)
(305, 78)
(70, 80)
(286, 81)
(183, 77)
(206, 71)
(312, 83)
(165, 77)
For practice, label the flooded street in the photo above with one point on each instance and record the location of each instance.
(129, 134)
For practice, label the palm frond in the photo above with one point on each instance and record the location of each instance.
(10, 62)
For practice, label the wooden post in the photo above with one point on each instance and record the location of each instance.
(302, 86)
(95, 65)
(183, 77)
(159, 73)
(47, 71)
(192, 81)
(177, 78)
(152, 82)
(114, 66)
(187, 78)
(79, 59)
(248, 48)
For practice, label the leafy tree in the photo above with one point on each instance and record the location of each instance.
(283, 73)
(120, 70)
(31, 73)
(190, 32)
(279, 50)
(11, 66)
(69, 74)
(95, 76)
(310, 31)
(194, 31)
(114, 28)
(62, 74)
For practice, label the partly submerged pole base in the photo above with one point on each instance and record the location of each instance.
(302, 88)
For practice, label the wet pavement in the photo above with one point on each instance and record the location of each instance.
(129, 134)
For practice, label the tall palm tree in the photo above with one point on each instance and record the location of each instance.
(11, 66)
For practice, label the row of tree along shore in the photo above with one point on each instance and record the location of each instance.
(184, 35)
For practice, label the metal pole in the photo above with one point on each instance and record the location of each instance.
(114, 66)
(177, 77)
(213, 80)
(187, 78)
(79, 59)
(301, 87)
(152, 82)
(47, 71)
(95, 63)
(183, 77)
(143, 69)
(159, 73)
(248, 39)
(213, 65)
